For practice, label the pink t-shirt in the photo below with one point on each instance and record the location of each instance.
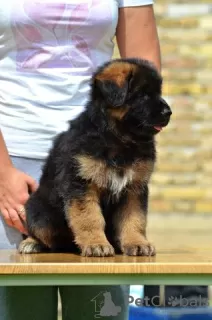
(48, 51)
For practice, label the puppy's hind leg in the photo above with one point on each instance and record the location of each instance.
(30, 245)
(39, 226)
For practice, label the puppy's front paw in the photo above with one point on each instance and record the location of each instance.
(98, 250)
(141, 249)
(30, 245)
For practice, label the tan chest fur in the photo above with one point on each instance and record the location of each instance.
(105, 177)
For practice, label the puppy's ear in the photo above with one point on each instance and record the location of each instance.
(112, 93)
(114, 82)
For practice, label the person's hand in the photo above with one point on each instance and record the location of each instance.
(14, 192)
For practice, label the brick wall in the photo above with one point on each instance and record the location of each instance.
(182, 182)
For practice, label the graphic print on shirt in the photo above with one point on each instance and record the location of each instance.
(51, 34)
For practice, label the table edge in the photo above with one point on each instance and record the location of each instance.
(106, 268)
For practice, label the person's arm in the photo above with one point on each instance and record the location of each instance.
(137, 34)
(14, 190)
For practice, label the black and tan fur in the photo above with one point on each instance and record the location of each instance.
(93, 193)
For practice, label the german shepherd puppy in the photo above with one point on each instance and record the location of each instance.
(93, 193)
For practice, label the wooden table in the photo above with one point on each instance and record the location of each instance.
(184, 257)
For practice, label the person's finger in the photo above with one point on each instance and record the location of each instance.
(6, 216)
(16, 221)
(21, 212)
(32, 184)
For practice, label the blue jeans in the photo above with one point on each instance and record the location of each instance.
(40, 303)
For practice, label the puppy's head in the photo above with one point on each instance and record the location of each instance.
(129, 92)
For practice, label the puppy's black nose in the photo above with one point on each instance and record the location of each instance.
(166, 112)
(165, 109)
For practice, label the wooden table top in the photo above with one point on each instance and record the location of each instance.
(183, 247)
